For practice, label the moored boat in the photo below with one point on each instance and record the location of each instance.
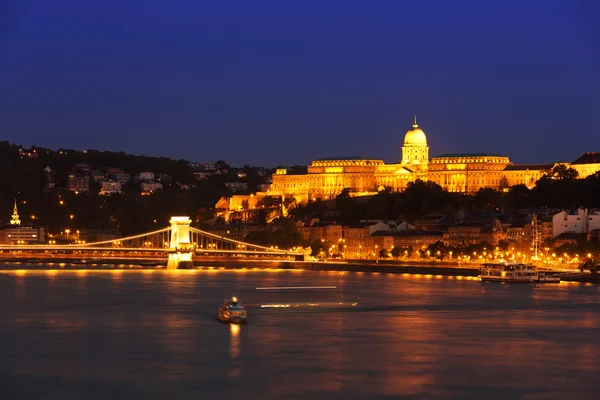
(508, 272)
(548, 277)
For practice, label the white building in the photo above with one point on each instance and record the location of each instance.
(23, 235)
(110, 188)
(582, 221)
(146, 176)
(15, 233)
(148, 188)
(593, 221)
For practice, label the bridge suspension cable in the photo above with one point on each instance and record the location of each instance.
(112, 241)
(160, 241)
(238, 242)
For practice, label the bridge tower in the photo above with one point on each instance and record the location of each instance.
(181, 247)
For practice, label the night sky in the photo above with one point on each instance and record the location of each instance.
(283, 82)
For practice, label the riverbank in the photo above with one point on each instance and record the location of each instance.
(228, 263)
(237, 263)
(344, 267)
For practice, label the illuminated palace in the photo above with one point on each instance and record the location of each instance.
(467, 173)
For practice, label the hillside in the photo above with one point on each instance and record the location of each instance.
(43, 181)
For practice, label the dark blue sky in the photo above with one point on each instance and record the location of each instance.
(284, 82)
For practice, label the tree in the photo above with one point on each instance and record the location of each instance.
(221, 165)
(383, 253)
(487, 199)
(503, 245)
(350, 211)
(261, 237)
(437, 250)
(518, 197)
(286, 235)
(397, 252)
(423, 197)
(319, 247)
(270, 202)
(563, 172)
(244, 204)
(344, 194)
(312, 209)
(379, 206)
(590, 264)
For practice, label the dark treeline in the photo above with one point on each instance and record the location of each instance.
(427, 198)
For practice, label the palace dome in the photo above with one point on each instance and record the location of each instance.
(415, 136)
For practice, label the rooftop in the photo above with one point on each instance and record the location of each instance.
(591, 157)
(408, 233)
(529, 167)
(362, 158)
(456, 155)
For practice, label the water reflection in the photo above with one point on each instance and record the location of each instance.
(421, 336)
(116, 274)
(234, 341)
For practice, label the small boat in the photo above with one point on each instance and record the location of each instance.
(548, 277)
(509, 272)
(232, 312)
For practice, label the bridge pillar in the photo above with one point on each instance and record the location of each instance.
(181, 247)
(306, 255)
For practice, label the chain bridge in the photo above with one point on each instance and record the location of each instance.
(179, 243)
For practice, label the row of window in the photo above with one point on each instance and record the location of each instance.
(343, 163)
(469, 160)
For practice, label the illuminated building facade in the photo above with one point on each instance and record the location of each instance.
(525, 174)
(328, 177)
(468, 172)
(15, 233)
(465, 173)
(586, 165)
(77, 182)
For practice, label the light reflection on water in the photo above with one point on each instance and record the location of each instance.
(234, 344)
(154, 334)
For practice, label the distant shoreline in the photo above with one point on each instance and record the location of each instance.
(416, 268)
(233, 263)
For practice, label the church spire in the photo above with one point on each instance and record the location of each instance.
(15, 216)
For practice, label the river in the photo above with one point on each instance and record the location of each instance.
(153, 334)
